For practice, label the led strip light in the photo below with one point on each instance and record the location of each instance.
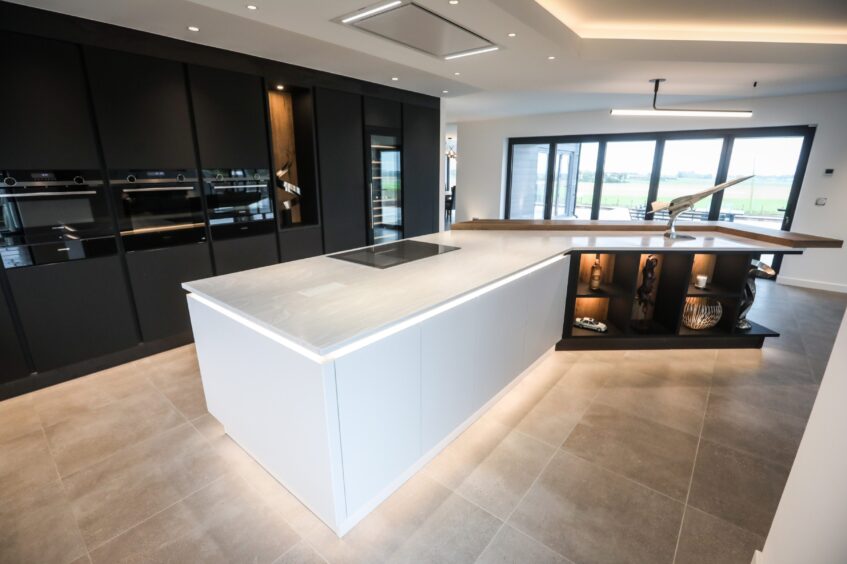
(382, 333)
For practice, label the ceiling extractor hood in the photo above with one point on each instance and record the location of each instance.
(414, 26)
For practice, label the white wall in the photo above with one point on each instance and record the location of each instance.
(481, 176)
(811, 520)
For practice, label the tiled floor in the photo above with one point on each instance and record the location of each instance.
(594, 457)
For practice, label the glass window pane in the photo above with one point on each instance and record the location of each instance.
(761, 200)
(626, 179)
(689, 166)
(573, 186)
(529, 181)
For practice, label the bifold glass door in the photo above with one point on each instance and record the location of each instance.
(619, 176)
(386, 191)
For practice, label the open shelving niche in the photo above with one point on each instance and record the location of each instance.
(615, 304)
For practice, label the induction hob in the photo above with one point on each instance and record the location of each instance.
(393, 254)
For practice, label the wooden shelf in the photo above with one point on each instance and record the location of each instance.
(579, 332)
(711, 291)
(605, 291)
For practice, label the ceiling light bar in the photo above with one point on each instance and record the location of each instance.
(473, 52)
(683, 113)
(371, 12)
(667, 112)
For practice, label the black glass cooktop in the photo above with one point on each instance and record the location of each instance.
(393, 254)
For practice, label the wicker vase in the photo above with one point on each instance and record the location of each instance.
(701, 313)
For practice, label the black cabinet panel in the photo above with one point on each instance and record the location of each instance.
(420, 170)
(44, 108)
(300, 243)
(341, 164)
(383, 113)
(142, 111)
(157, 278)
(229, 118)
(244, 253)
(73, 311)
(13, 363)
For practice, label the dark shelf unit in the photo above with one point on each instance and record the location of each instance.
(614, 302)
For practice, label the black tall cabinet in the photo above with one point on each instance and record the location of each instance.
(44, 110)
(420, 170)
(143, 113)
(13, 363)
(341, 166)
(142, 110)
(74, 310)
(229, 119)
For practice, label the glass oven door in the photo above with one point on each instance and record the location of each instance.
(238, 202)
(158, 208)
(53, 216)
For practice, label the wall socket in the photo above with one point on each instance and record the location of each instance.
(820, 202)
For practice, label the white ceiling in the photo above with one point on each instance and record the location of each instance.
(587, 74)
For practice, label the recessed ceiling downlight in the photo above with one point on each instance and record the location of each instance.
(280, 87)
(394, 78)
(252, 7)
(193, 28)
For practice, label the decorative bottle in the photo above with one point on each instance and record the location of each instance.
(596, 274)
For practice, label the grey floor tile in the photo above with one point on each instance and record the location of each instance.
(176, 374)
(25, 463)
(301, 553)
(790, 400)
(590, 515)
(511, 546)
(115, 494)
(421, 522)
(227, 521)
(499, 482)
(737, 487)
(37, 525)
(670, 398)
(17, 417)
(708, 540)
(652, 454)
(763, 432)
(95, 434)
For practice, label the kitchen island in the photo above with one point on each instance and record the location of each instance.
(343, 380)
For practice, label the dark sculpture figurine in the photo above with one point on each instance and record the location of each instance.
(644, 293)
(749, 294)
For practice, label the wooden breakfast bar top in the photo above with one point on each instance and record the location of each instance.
(775, 236)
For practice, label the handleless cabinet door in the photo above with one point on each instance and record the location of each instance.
(383, 113)
(44, 108)
(229, 118)
(420, 170)
(13, 364)
(157, 278)
(73, 311)
(141, 104)
(341, 157)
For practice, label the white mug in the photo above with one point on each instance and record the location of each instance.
(701, 281)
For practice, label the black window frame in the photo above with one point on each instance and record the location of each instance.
(660, 137)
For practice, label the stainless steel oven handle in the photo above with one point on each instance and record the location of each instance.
(124, 181)
(233, 187)
(160, 189)
(50, 194)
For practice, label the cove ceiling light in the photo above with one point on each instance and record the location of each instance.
(371, 12)
(469, 53)
(665, 112)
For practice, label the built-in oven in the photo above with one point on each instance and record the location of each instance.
(50, 216)
(158, 208)
(238, 201)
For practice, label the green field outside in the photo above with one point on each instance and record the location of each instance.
(754, 197)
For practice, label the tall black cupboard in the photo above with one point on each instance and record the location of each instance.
(143, 114)
(230, 122)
